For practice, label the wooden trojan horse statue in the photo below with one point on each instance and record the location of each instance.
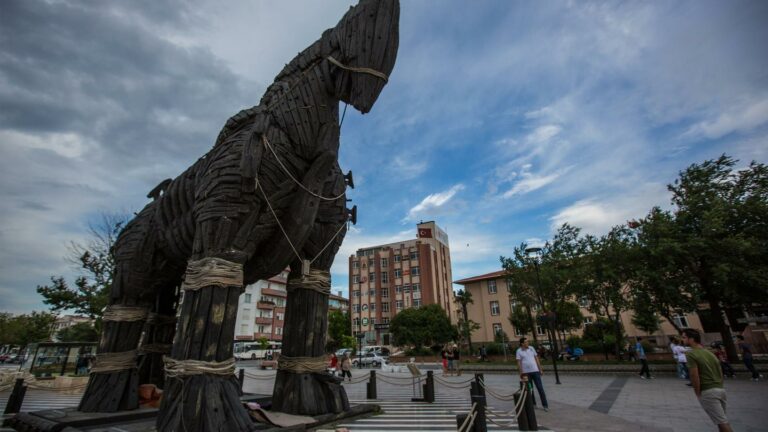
(269, 194)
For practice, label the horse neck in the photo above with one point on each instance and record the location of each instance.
(304, 109)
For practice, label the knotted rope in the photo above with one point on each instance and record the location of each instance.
(316, 280)
(183, 368)
(124, 313)
(114, 361)
(302, 364)
(364, 70)
(212, 271)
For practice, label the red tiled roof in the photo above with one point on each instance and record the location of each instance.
(487, 276)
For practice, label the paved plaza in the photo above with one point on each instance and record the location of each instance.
(597, 402)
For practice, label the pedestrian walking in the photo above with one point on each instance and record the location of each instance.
(529, 365)
(640, 351)
(707, 380)
(725, 365)
(746, 357)
(444, 356)
(333, 364)
(679, 351)
(346, 367)
(456, 360)
(483, 354)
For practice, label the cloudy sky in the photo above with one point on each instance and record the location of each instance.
(501, 120)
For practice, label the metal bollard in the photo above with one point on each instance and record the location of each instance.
(16, 399)
(370, 387)
(241, 378)
(429, 388)
(460, 419)
(478, 397)
(526, 419)
(480, 378)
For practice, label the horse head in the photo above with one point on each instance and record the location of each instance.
(363, 51)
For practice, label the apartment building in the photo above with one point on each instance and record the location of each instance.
(261, 309)
(492, 307)
(386, 279)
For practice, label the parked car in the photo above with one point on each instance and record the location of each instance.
(369, 359)
(340, 353)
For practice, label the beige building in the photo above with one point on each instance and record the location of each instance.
(386, 279)
(492, 307)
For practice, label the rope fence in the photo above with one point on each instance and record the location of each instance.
(469, 420)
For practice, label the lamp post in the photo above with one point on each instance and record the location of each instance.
(534, 251)
(500, 333)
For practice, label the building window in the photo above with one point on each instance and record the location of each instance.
(261, 329)
(398, 272)
(398, 289)
(583, 302)
(372, 277)
(384, 262)
(385, 293)
(356, 322)
(397, 258)
(496, 329)
(243, 329)
(356, 293)
(406, 288)
(355, 264)
(247, 298)
(398, 304)
(385, 307)
(495, 308)
(680, 319)
(372, 307)
(246, 314)
(356, 279)
(355, 308)
(415, 287)
(416, 303)
(385, 320)
(384, 277)
(414, 271)
(517, 332)
(587, 320)
(491, 287)
(372, 293)
(414, 255)
(539, 330)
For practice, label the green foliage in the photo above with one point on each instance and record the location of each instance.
(96, 262)
(569, 316)
(263, 342)
(25, 329)
(420, 351)
(466, 326)
(495, 348)
(420, 327)
(81, 332)
(339, 325)
(348, 341)
(521, 319)
(645, 317)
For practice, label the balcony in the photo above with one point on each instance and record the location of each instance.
(263, 320)
(265, 305)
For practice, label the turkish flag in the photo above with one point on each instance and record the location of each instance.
(425, 233)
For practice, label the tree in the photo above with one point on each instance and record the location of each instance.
(96, 263)
(610, 267)
(719, 237)
(422, 327)
(644, 316)
(22, 330)
(569, 316)
(339, 325)
(521, 319)
(80, 332)
(466, 326)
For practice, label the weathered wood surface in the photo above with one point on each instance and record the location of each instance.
(215, 209)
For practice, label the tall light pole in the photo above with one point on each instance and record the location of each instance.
(534, 252)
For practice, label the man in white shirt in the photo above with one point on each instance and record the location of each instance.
(528, 364)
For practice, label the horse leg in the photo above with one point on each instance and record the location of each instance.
(158, 337)
(113, 384)
(201, 391)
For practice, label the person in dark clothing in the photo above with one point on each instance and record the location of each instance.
(746, 356)
(483, 353)
(640, 351)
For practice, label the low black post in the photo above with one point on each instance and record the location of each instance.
(429, 388)
(460, 419)
(526, 419)
(16, 399)
(241, 378)
(478, 397)
(370, 387)
(480, 380)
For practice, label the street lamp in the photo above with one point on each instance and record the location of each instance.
(535, 252)
(500, 333)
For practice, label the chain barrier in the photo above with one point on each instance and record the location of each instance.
(453, 385)
(497, 395)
